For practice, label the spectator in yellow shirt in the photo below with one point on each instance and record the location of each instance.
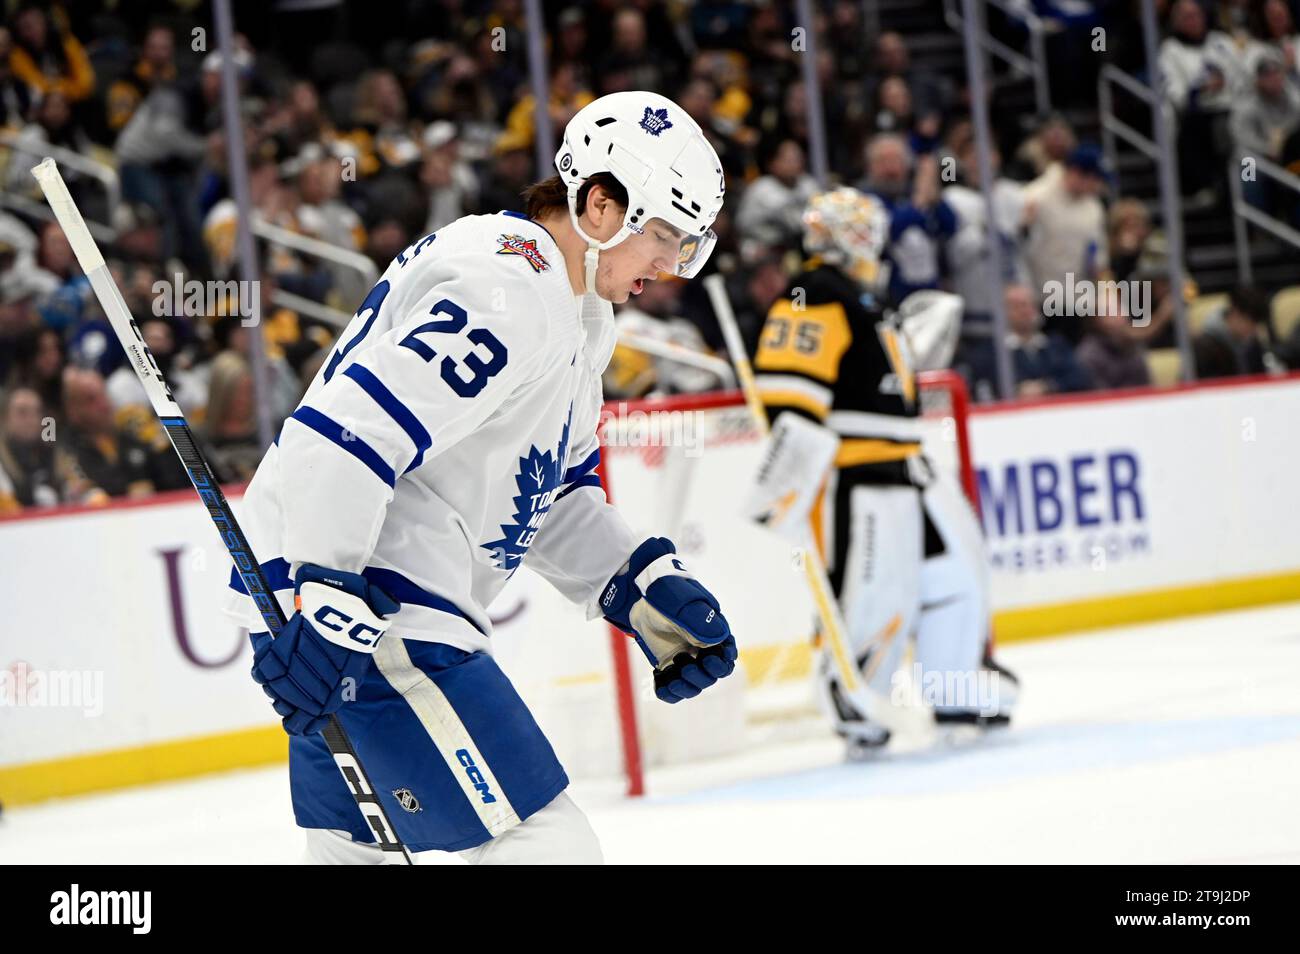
(47, 57)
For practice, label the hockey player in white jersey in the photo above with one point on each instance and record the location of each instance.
(449, 437)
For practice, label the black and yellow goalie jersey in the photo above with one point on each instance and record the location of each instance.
(827, 354)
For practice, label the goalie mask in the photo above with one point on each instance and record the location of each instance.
(848, 229)
(661, 156)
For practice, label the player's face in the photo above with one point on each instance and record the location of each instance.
(627, 266)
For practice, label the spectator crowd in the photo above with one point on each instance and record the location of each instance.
(366, 129)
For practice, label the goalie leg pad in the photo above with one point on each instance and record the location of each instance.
(955, 617)
(796, 460)
(882, 561)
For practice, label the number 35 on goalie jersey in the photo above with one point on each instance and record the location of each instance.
(825, 355)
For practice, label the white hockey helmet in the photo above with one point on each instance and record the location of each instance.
(661, 156)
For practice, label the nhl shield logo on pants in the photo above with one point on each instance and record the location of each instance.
(406, 798)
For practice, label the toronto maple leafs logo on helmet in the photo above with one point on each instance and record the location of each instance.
(655, 121)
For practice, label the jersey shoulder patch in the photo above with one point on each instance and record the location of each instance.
(515, 234)
(526, 248)
(480, 266)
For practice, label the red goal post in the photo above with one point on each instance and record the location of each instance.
(662, 472)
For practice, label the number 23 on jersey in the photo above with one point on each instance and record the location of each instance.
(467, 376)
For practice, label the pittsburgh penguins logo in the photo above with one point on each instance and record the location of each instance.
(406, 798)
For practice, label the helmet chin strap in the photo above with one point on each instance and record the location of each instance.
(591, 259)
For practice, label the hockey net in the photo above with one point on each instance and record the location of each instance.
(680, 467)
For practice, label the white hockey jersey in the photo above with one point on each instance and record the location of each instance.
(449, 437)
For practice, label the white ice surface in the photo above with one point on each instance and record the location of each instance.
(1172, 742)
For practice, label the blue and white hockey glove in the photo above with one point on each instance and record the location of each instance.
(676, 621)
(325, 647)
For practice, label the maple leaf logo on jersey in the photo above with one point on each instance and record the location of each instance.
(538, 482)
(518, 245)
(655, 121)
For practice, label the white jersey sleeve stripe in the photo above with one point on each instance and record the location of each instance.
(399, 412)
(591, 462)
(590, 480)
(582, 475)
(348, 441)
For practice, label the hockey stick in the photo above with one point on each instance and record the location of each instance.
(877, 708)
(209, 491)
